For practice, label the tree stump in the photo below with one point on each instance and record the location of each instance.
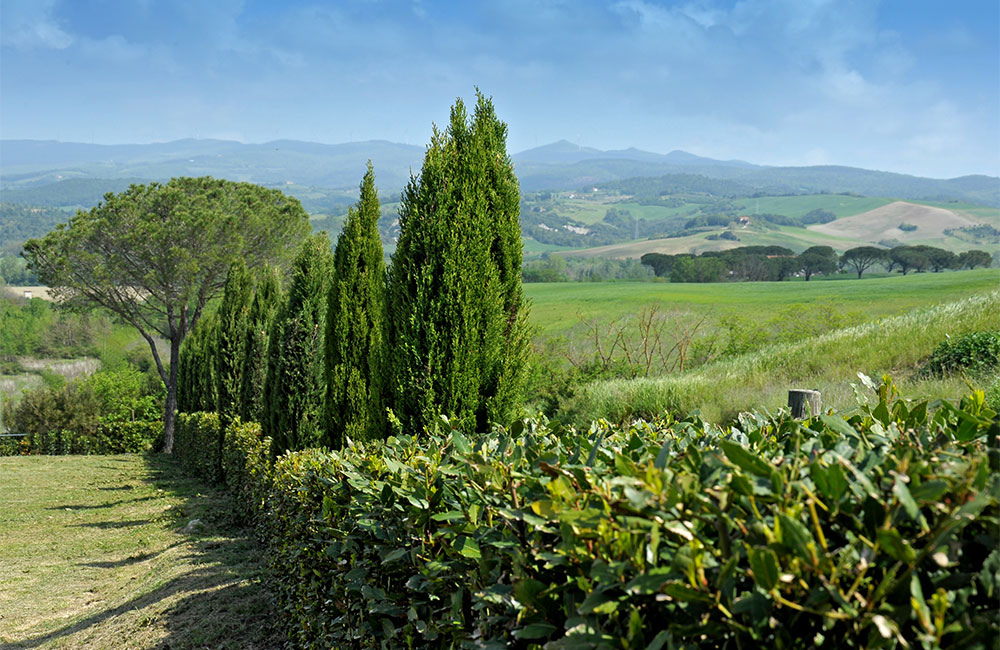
(803, 403)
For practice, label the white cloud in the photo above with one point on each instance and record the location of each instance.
(27, 25)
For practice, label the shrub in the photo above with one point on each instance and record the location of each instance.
(246, 456)
(106, 438)
(874, 531)
(975, 352)
(196, 444)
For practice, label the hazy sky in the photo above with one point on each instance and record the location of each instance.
(900, 85)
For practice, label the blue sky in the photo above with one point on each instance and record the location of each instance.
(900, 85)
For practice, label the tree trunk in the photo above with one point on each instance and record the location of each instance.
(170, 408)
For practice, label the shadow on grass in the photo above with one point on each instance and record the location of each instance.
(217, 601)
(102, 506)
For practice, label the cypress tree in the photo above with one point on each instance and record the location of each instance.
(457, 317)
(294, 388)
(196, 372)
(355, 336)
(266, 300)
(230, 341)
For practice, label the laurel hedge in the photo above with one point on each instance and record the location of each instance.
(876, 530)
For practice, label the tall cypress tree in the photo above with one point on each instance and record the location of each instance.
(196, 375)
(230, 341)
(265, 304)
(355, 338)
(294, 388)
(457, 317)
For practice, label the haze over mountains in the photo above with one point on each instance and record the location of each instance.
(31, 170)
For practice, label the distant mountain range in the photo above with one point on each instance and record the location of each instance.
(326, 176)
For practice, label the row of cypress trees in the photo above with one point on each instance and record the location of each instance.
(352, 346)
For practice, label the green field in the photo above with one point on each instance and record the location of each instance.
(558, 307)
(759, 380)
(97, 554)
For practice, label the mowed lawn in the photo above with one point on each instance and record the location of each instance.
(99, 552)
(558, 307)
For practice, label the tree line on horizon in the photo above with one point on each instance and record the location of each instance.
(777, 263)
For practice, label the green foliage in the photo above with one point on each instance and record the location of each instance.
(817, 260)
(862, 258)
(38, 328)
(267, 297)
(88, 408)
(877, 530)
(246, 465)
(908, 258)
(14, 271)
(555, 268)
(19, 223)
(697, 269)
(457, 318)
(975, 352)
(355, 327)
(171, 246)
(294, 387)
(106, 438)
(973, 258)
(196, 389)
(197, 444)
(229, 348)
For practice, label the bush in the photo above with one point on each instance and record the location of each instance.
(246, 457)
(976, 352)
(875, 531)
(107, 438)
(196, 444)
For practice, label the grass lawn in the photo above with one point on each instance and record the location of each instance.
(557, 307)
(98, 553)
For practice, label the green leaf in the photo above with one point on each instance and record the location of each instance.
(685, 593)
(395, 555)
(461, 444)
(650, 582)
(765, 567)
(893, 543)
(744, 459)
(838, 425)
(599, 602)
(659, 640)
(535, 631)
(797, 537)
(929, 491)
(663, 456)
(905, 498)
(467, 547)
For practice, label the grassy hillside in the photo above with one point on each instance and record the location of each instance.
(828, 363)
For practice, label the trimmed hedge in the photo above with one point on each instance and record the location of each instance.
(245, 460)
(246, 467)
(880, 530)
(196, 444)
(110, 438)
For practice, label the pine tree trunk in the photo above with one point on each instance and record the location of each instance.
(170, 408)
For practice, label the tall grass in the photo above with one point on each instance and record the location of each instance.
(828, 363)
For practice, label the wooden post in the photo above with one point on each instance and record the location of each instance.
(803, 403)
